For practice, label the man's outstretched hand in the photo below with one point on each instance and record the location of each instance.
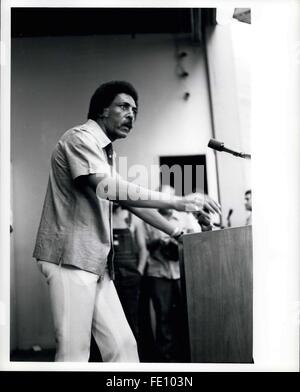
(197, 202)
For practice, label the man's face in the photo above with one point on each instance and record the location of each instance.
(248, 202)
(119, 116)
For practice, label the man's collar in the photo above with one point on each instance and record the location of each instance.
(94, 128)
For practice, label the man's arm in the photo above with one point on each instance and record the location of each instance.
(131, 195)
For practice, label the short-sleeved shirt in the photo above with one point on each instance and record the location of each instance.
(75, 228)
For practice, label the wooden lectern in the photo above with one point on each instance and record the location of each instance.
(216, 271)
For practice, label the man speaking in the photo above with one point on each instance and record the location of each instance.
(74, 241)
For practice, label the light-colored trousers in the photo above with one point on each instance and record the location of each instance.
(83, 304)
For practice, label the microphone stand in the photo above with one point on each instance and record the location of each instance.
(237, 154)
(219, 146)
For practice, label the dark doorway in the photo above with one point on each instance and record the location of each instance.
(186, 174)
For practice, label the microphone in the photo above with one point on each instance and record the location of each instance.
(219, 146)
(229, 213)
(228, 217)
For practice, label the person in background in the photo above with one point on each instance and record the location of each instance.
(163, 284)
(248, 206)
(130, 257)
(204, 222)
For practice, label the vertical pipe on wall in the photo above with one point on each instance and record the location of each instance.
(208, 16)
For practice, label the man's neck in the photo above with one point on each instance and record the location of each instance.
(102, 125)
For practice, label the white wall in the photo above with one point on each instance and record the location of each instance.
(276, 139)
(52, 82)
(229, 54)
